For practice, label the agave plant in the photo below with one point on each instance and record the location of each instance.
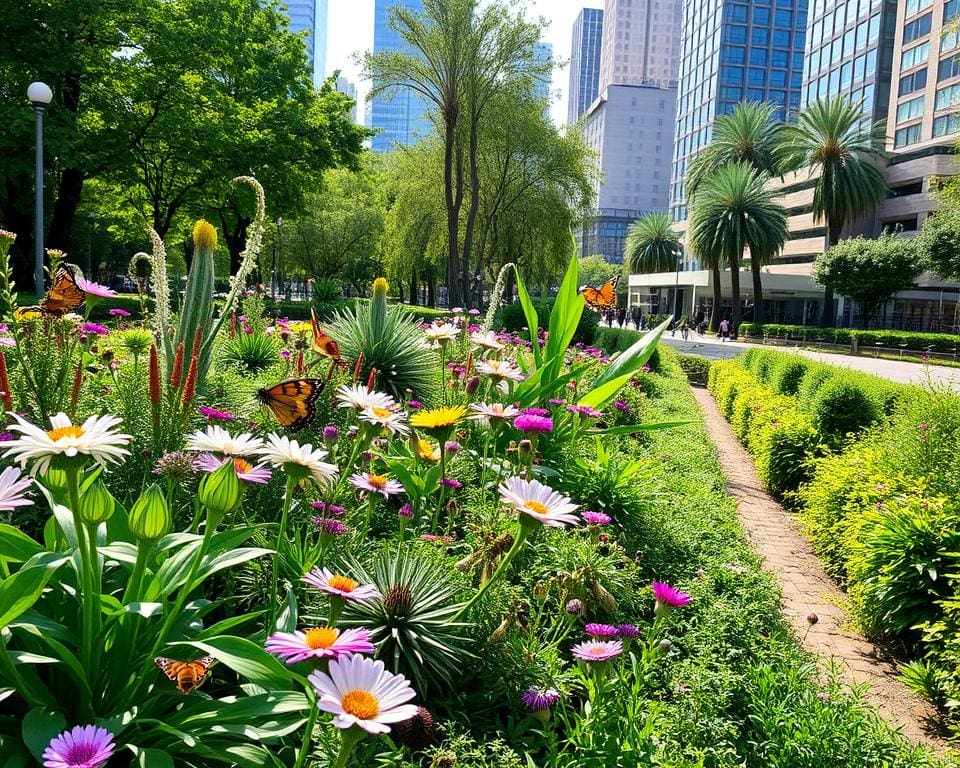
(251, 352)
(409, 624)
(389, 341)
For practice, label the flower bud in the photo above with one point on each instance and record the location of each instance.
(664, 645)
(96, 503)
(472, 385)
(525, 447)
(55, 480)
(149, 516)
(220, 491)
(574, 607)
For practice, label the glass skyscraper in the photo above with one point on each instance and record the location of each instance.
(733, 52)
(584, 63)
(400, 116)
(310, 16)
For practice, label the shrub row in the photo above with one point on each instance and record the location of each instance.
(881, 509)
(945, 343)
(695, 367)
(613, 340)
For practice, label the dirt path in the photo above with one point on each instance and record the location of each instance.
(808, 589)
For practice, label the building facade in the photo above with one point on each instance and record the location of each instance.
(640, 43)
(543, 57)
(399, 118)
(346, 87)
(320, 46)
(584, 63)
(303, 19)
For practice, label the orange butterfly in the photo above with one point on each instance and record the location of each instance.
(188, 675)
(321, 342)
(64, 295)
(293, 402)
(602, 298)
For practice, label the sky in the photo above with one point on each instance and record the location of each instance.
(350, 31)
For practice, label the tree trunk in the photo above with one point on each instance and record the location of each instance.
(431, 289)
(69, 189)
(827, 317)
(471, 211)
(735, 291)
(758, 311)
(715, 315)
(453, 208)
(414, 299)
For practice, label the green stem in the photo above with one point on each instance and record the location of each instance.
(349, 739)
(308, 734)
(87, 634)
(443, 474)
(522, 534)
(278, 543)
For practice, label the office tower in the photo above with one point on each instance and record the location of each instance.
(320, 46)
(641, 42)
(400, 116)
(542, 56)
(629, 129)
(303, 18)
(584, 62)
(733, 52)
(347, 88)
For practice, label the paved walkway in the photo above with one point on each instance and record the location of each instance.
(808, 589)
(894, 370)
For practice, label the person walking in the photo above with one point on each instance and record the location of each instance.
(724, 329)
(684, 329)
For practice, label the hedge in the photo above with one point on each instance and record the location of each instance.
(613, 340)
(942, 343)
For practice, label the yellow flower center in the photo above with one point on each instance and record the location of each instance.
(538, 508)
(242, 466)
(61, 432)
(361, 704)
(377, 481)
(383, 413)
(343, 583)
(597, 650)
(321, 637)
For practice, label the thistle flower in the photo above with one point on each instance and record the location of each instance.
(318, 643)
(372, 483)
(667, 598)
(597, 650)
(574, 607)
(330, 526)
(95, 439)
(600, 630)
(80, 747)
(596, 518)
(449, 482)
(330, 434)
(585, 410)
(342, 587)
(405, 511)
(419, 732)
(628, 632)
(538, 699)
(177, 465)
(531, 424)
(328, 509)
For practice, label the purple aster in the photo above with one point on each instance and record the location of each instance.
(415, 405)
(535, 412)
(600, 630)
(628, 631)
(284, 354)
(556, 401)
(585, 410)
(215, 414)
(667, 598)
(538, 699)
(597, 650)
(94, 329)
(81, 747)
(449, 482)
(328, 509)
(405, 511)
(596, 518)
(117, 312)
(532, 424)
(330, 526)
(620, 405)
(319, 643)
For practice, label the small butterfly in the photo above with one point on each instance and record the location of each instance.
(64, 294)
(188, 675)
(293, 401)
(604, 297)
(321, 342)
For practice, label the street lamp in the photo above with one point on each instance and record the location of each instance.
(40, 95)
(676, 288)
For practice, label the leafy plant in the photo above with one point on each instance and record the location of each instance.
(251, 352)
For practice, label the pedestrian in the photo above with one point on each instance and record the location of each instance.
(621, 317)
(698, 321)
(684, 328)
(724, 329)
(637, 316)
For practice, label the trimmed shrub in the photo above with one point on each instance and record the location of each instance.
(783, 448)
(844, 405)
(786, 372)
(812, 381)
(944, 343)
(695, 367)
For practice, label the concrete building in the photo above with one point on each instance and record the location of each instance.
(641, 43)
(346, 87)
(584, 63)
(399, 117)
(629, 129)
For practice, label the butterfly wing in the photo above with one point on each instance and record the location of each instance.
(64, 295)
(187, 675)
(602, 298)
(28, 313)
(293, 402)
(321, 342)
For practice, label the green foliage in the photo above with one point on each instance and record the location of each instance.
(510, 317)
(786, 373)
(939, 242)
(251, 352)
(843, 406)
(695, 367)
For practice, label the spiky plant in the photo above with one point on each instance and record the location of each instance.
(389, 341)
(251, 352)
(409, 623)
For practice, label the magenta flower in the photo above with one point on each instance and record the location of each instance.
(328, 509)
(667, 598)
(117, 312)
(94, 329)
(94, 289)
(318, 643)
(452, 447)
(414, 405)
(596, 518)
(556, 401)
(330, 433)
(330, 526)
(600, 630)
(532, 424)
(620, 405)
(597, 650)
(538, 699)
(371, 483)
(80, 747)
(535, 412)
(628, 631)
(341, 586)
(585, 410)
(6, 437)
(215, 414)
(473, 311)
(405, 511)
(247, 472)
(284, 354)
(449, 482)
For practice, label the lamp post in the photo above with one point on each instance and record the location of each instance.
(40, 95)
(676, 288)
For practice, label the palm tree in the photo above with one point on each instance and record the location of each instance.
(735, 211)
(829, 138)
(751, 134)
(652, 246)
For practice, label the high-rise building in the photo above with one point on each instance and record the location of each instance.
(400, 116)
(584, 63)
(303, 18)
(641, 42)
(542, 56)
(320, 46)
(733, 52)
(346, 87)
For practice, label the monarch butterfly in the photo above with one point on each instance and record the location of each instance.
(292, 401)
(64, 295)
(188, 675)
(604, 297)
(321, 342)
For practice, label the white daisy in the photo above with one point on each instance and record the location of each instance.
(486, 341)
(360, 397)
(360, 692)
(394, 421)
(491, 412)
(538, 501)
(215, 439)
(292, 457)
(499, 370)
(441, 334)
(95, 438)
(12, 486)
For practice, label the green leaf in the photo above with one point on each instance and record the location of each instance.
(629, 429)
(21, 590)
(629, 361)
(153, 758)
(530, 313)
(246, 659)
(287, 620)
(567, 310)
(15, 545)
(39, 727)
(225, 560)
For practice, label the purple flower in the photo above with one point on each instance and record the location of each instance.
(330, 526)
(538, 699)
(600, 630)
(81, 747)
(532, 424)
(117, 312)
(414, 405)
(556, 401)
(620, 405)
(284, 354)
(5, 437)
(328, 509)
(452, 447)
(667, 598)
(260, 474)
(94, 329)
(449, 482)
(574, 607)
(405, 511)
(473, 311)
(319, 643)
(535, 412)
(596, 518)
(585, 410)
(597, 650)
(215, 414)
(923, 426)
(628, 631)
(330, 433)
(646, 368)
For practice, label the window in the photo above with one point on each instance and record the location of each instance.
(733, 54)
(779, 59)
(758, 57)
(782, 18)
(758, 76)
(778, 97)
(909, 110)
(947, 97)
(778, 78)
(781, 38)
(915, 6)
(906, 136)
(912, 188)
(731, 75)
(759, 35)
(901, 225)
(912, 82)
(755, 94)
(761, 16)
(916, 55)
(949, 41)
(834, 82)
(871, 66)
(858, 68)
(945, 125)
(732, 92)
(798, 61)
(950, 9)
(912, 31)
(846, 75)
(875, 29)
(848, 42)
(737, 33)
(949, 67)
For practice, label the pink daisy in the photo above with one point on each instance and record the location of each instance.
(94, 289)
(667, 598)
(261, 474)
(597, 650)
(371, 483)
(318, 643)
(341, 586)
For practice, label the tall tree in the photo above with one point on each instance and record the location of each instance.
(735, 211)
(651, 244)
(751, 134)
(830, 140)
